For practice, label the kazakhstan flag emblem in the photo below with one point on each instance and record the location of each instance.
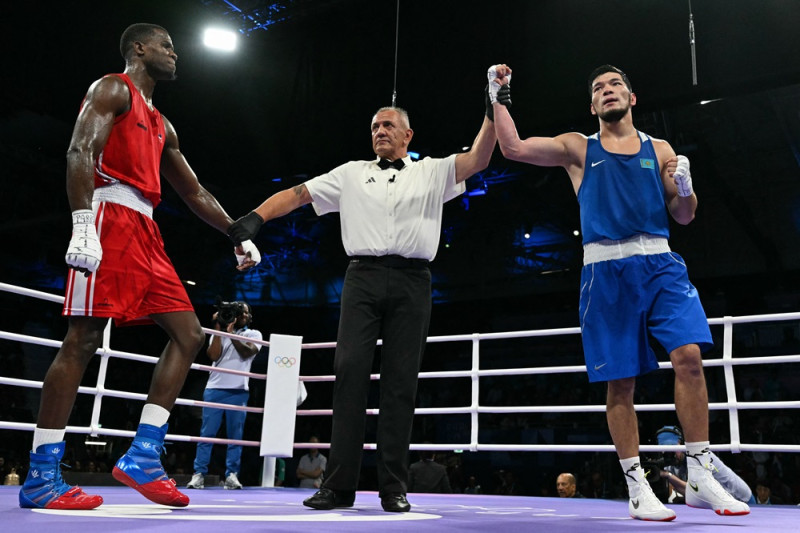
(647, 163)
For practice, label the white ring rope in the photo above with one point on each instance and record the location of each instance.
(727, 362)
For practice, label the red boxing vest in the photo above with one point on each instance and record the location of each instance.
(132, 154)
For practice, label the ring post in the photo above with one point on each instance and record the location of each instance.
(280, 402)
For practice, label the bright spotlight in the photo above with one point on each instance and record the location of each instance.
(220, 39)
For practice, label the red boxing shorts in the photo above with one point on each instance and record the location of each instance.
(135, 279)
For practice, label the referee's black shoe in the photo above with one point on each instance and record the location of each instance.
(395, 503)
(326, 499)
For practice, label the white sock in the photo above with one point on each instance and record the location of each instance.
(698, 455)
(47, 436)
(632, 468)
(154, 415)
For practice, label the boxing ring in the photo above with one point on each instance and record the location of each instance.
(278, 508)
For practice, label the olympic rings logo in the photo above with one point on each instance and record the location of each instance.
(285, 362)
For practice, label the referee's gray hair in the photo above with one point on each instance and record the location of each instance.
(402, 112)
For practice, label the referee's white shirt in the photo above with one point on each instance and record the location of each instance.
(388, 212)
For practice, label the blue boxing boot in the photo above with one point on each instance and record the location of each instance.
(140, 468)
(44, 488)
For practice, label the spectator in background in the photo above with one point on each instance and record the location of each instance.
(567, 486)
(426, 475)
(507, 483)
(311, 468)
(598, 488)
(473, 487)
(780, 492)
(763, 493)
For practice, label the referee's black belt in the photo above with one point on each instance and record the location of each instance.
(391, 261)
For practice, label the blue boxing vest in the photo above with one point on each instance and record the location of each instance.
(621, 195)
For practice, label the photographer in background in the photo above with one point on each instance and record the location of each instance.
(232, 317)
(675, 471)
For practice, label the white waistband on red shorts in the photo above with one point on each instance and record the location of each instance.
(119, 193)
(607, 249)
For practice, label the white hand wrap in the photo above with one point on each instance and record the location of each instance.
(682, 177)
(494, 85)
(84, 250)
(248, 248)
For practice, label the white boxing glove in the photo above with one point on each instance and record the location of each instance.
(84, 252)
(494, 85)
(682, 177)
(302, 393)
(248, 248)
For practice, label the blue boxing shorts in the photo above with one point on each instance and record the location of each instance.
(622, 301)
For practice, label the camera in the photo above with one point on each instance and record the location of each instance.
(228, 312)
(653, 465)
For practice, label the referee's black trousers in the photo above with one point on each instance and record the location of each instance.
(391, 302)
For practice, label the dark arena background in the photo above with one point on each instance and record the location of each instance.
(295, 100)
